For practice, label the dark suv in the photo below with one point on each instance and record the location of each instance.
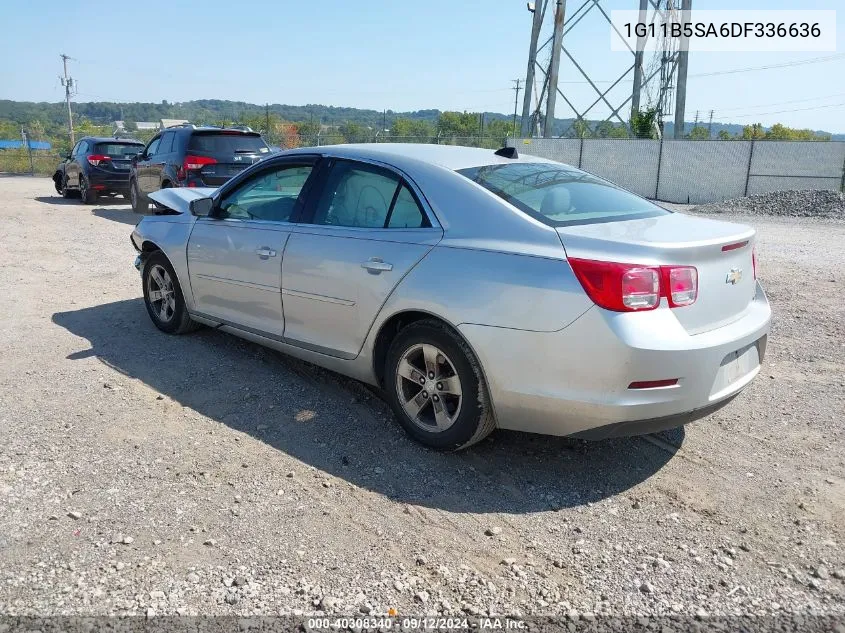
(191, 156)
(97, 166)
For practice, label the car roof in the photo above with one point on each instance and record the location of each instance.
(405, 155)
(111, 139)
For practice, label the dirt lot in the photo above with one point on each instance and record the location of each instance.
(145, 473)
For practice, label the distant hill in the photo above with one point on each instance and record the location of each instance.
(53, 115)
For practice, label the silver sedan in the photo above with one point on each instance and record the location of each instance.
(476, 289)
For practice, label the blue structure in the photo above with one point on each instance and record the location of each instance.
(19, 144)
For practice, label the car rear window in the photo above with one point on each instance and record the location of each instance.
(227, 143)
(558, 195)
(118, 150)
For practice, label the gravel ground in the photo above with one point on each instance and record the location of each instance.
(142, 473)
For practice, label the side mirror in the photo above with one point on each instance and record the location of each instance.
(201, 207)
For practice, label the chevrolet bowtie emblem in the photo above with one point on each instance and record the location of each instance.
(734, 276)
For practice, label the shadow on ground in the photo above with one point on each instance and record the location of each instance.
(124, 216)
(341, 427)
(101, 201)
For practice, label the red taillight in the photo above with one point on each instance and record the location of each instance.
(754, 261)
(680, 285)
(632, 288)
(193, 163)
(96, 159)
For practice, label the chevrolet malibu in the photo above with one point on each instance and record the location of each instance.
(476, 289)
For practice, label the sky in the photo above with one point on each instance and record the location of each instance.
(398, 55)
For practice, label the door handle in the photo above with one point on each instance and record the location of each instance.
(376, 266)
(265, 252)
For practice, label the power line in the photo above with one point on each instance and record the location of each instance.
(755, 114)
(777, 103)
(800, 62)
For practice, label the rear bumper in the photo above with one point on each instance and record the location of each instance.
(575, 381)
(108, 181)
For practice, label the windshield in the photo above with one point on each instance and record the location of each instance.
(559, 195)
(118, 150)
(228, 143)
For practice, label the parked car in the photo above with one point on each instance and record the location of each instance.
(96, 166)
(191, 156)
(476, 289)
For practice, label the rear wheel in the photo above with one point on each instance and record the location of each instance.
(434, 385)
(86, 193)
(163, 296)
(135, 198)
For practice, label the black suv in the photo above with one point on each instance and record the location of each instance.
(97, 166)
(191, 156)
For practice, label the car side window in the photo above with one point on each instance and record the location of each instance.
(406, 212)
(366, 196)
(271, 195)
(166, 143)
(75, 150)
(82, 148)
(152, 148)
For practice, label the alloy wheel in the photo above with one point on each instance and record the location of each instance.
(429, 387)
(161, 293)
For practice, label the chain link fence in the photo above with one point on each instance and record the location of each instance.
(687, 171)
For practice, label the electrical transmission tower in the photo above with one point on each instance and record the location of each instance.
(70, 90)
(661, 78)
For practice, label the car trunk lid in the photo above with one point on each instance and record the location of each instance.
(720, 251)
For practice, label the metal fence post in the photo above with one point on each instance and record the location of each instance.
(842, 185)
(580, 152)
(659, 161)
(748, 171)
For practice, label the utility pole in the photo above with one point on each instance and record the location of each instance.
(683, 63)
(554, 68)
(25, 138)
(710, 126)
(539, 10)
(384, 119)
(67, 82)
(516, 90)
(267, 118)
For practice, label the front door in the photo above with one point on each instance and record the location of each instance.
(235, 257)
(366, 232)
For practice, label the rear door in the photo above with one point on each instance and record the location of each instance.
(73, 168)
(143, 166)
(235, 257)
(158, 162)
(229, 153)
(367, 230)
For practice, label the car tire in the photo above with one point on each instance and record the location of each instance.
(58, 180)
(62, 188)
(431, 370)
(163, 296)
(86, 194)
(135, 198)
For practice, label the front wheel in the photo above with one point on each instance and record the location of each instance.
(434, 385)
(163, 296)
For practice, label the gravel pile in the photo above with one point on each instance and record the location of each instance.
(797, 204)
